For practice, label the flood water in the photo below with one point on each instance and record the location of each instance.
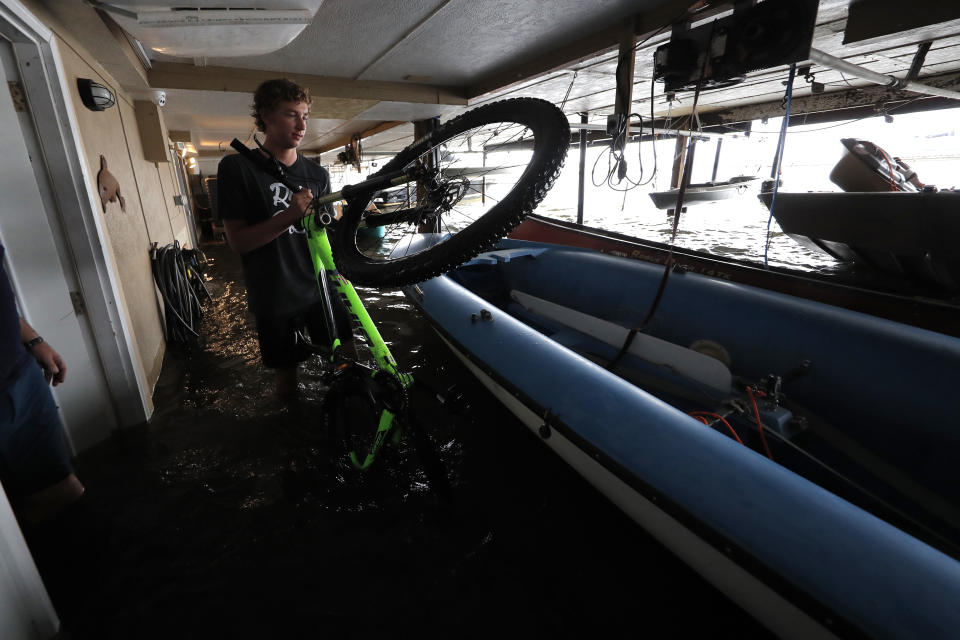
(735, 228)
(233, 515)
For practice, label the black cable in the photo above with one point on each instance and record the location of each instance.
(653, 138)
(615, 157)
(668, 263)
(615, 153)
(178, 275)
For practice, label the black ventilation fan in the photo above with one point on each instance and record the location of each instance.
(757, 35)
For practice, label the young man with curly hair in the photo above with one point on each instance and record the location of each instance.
(260, 217)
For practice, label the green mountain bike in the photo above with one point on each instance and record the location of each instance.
(468, 183)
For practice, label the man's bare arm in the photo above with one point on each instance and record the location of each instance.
(244, 237)
(53, 367)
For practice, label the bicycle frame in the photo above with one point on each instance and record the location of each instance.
(322, 255)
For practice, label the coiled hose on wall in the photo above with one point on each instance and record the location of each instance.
(178, 274)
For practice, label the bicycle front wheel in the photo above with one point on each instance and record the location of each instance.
(474, 179)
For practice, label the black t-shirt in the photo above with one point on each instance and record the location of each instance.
(279, 275)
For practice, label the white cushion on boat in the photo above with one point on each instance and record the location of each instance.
(693, 365)
(505, 255)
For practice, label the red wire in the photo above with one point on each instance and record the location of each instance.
(756, 413)
(699, 414)
(893, 184)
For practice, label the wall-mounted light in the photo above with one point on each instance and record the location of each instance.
(95, 97)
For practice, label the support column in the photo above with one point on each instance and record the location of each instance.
(716, 160)
(679, 157)
(624, 93)
(583, 168)
(686, 149)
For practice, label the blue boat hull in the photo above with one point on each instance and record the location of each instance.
(803, 560)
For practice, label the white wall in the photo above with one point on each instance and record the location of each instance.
(26, 612)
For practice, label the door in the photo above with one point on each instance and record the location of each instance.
(187, 197)
(41, 268)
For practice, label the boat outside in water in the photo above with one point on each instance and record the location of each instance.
(705, 192)
(907, 235)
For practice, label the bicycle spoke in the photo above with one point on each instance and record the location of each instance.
(487, 195)
(445, 225)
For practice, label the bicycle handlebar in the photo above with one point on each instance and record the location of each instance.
(274, 168)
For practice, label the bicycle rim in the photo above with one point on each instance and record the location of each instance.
(480, 175)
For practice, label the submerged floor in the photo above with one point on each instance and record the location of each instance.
(232, 515)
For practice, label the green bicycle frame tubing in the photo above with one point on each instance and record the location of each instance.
(386, 422)
(322, 255)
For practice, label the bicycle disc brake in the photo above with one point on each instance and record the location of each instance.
(439, 195)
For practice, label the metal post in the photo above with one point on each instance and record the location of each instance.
(624, 93)
(781, 141)
(716, 161)
(837, 64)
(583, 168)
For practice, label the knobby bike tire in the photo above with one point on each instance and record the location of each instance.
(551, 133)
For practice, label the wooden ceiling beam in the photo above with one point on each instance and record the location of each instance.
(840, 105)
(334, 143)
(344, 140)
(175, 75)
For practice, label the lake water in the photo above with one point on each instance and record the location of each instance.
(928, 142)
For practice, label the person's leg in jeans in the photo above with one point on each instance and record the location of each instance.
(34, 461)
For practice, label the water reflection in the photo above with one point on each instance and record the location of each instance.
(735, 228)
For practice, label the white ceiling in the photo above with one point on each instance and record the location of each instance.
(443, 42)
(465, 43)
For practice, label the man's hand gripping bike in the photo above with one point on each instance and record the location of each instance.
(469, 183)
